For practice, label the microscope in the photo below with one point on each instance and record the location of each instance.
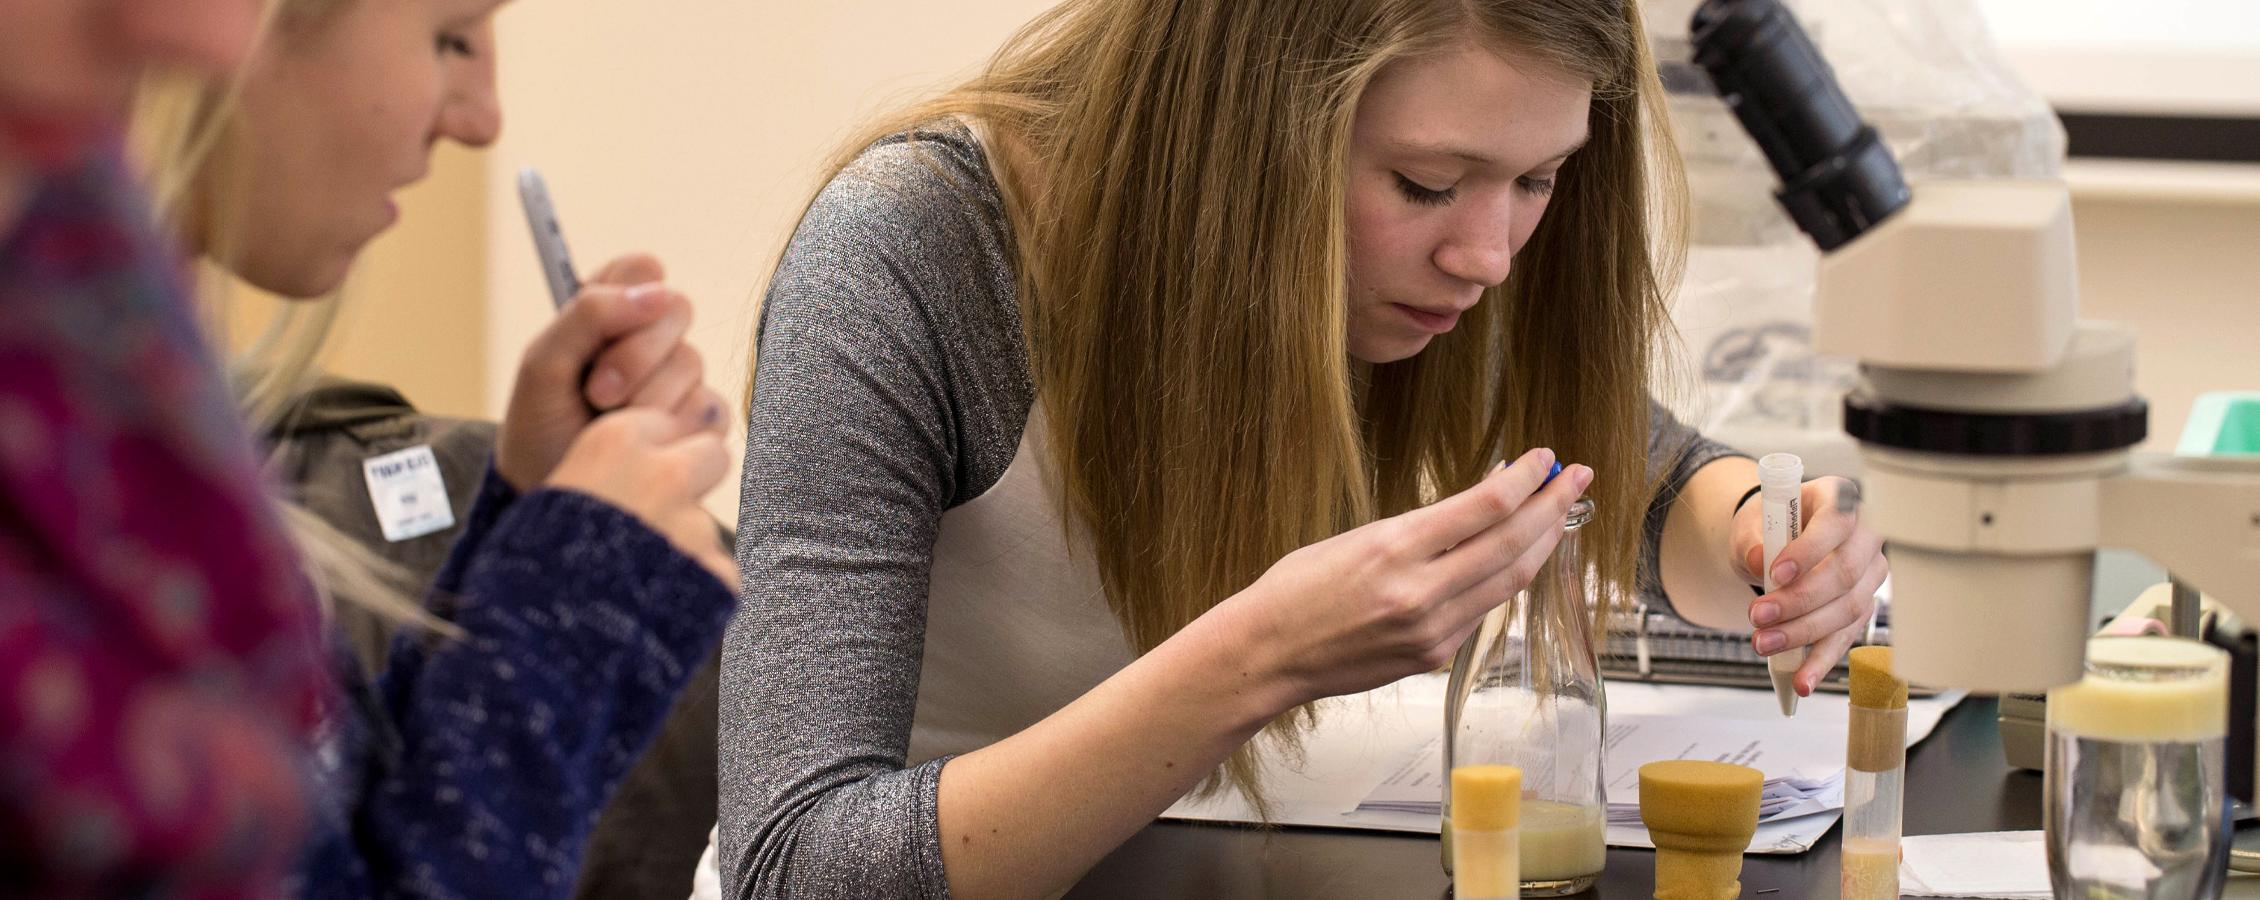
(1994, 426)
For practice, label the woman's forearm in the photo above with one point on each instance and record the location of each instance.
(1027, 816)
(1696, 562)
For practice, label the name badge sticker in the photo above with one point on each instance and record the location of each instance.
(410, 499)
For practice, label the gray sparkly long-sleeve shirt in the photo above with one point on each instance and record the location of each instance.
(891, 387)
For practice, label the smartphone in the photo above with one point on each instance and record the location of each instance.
(549, 237)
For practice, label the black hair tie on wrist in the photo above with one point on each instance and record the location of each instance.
(1755, 590)
(1745, 501)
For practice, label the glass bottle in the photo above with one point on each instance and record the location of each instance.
(1525, 690)
(2136, 779)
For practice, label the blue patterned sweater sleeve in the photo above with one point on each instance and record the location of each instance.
(475, 767)
(495, 497)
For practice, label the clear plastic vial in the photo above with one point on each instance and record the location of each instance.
(1780, 476)
(1525, 691)
(2134, 802)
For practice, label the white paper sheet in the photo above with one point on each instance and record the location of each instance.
(1362, 740)
(2011, 865)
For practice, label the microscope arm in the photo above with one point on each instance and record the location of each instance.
(2197, 516)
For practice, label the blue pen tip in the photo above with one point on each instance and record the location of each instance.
(1550, 475)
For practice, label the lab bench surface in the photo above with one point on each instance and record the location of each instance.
(1956, 782)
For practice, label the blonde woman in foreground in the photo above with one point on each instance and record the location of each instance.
(584, 591)
(1127, 399)
(587, 583)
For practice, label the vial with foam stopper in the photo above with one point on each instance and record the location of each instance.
(1875, 771)
(1486, 818)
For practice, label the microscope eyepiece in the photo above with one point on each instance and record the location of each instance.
(1838, 179)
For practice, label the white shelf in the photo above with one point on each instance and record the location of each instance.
(2202, 183)
(2141, 81)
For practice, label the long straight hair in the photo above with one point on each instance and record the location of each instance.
(1174, 174)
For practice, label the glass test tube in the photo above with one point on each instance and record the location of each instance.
(1872, 798)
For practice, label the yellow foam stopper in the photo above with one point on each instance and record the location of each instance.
(1486, 798)
(1873, 684)
(1700, 815)
(2190, 705)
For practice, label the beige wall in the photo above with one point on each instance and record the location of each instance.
(416, 316)
(415, 307)
(693, 129)
(2174, 251)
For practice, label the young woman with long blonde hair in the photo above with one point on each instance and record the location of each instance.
(1150, 386)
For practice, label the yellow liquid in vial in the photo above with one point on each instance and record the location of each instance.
(1561, 841)
(1871, 870)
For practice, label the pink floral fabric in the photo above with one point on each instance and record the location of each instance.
(160, 658)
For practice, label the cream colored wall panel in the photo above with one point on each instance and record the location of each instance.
(417, 312)
(2186, 275)
(694, 129)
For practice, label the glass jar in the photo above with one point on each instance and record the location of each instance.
(2135, 795)
(1525, 691)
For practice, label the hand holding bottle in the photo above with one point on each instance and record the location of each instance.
(1397, 597)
